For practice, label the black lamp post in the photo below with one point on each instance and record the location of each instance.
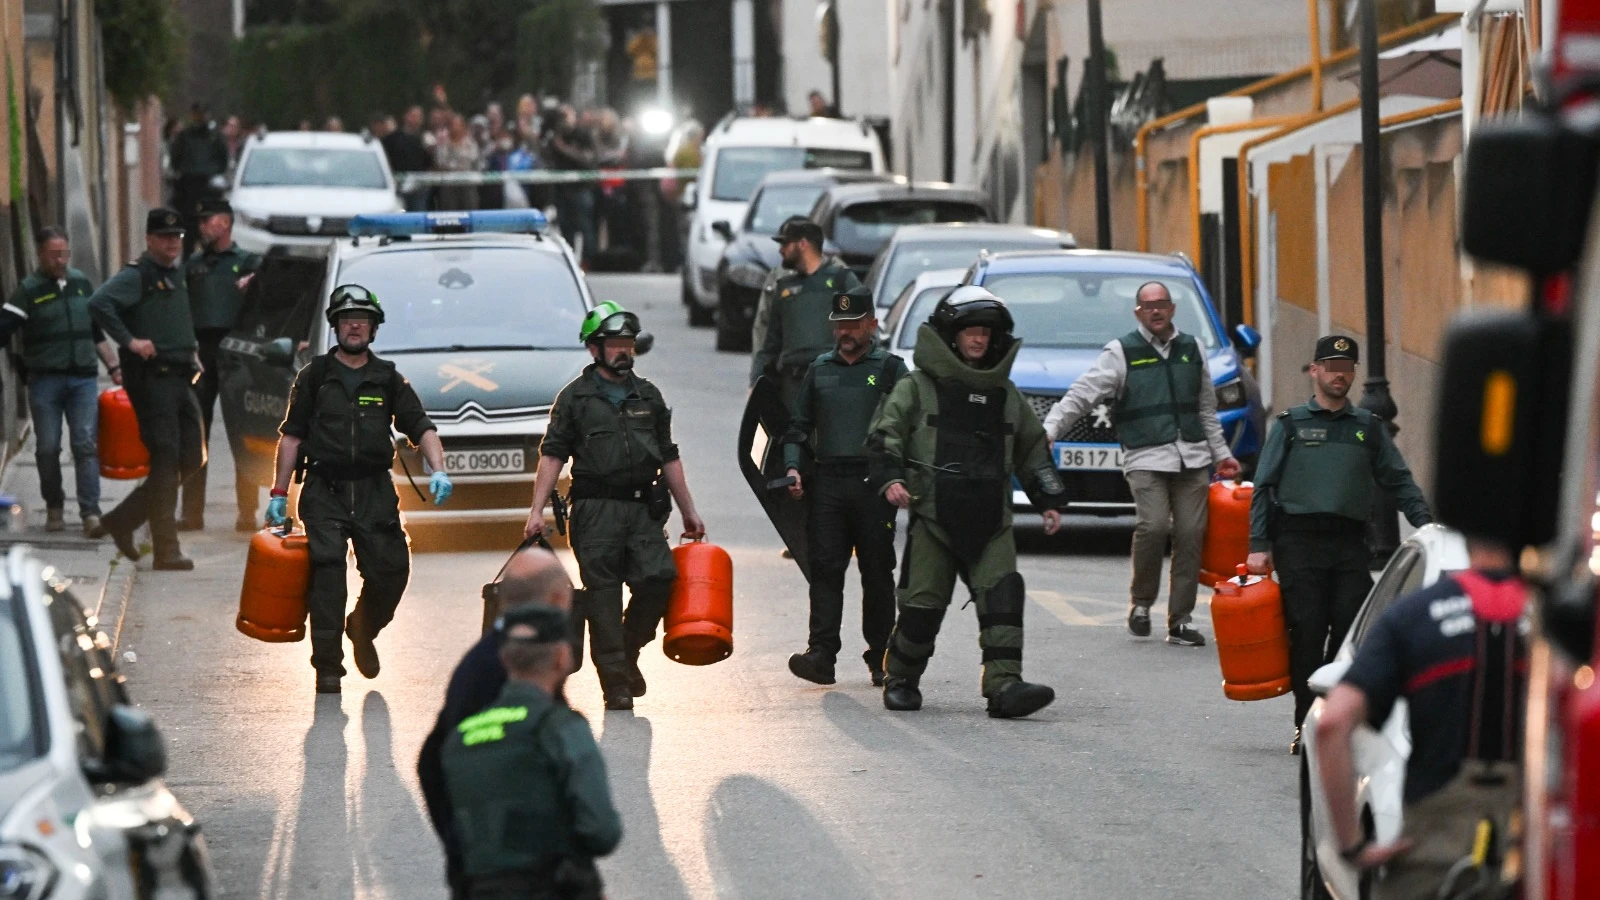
(1097, 109)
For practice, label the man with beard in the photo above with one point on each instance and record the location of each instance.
(617, 430)
(791, 327)
(1315, 480)
(217, 276)
(832, 411)
(337, 433)
(946, 445)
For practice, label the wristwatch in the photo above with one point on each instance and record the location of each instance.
(1353, 852)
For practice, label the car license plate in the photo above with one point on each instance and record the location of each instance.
(1089, 456)
(484, 462)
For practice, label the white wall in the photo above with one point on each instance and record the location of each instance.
(864, 67)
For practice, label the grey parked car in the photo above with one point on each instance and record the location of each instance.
(83, 811)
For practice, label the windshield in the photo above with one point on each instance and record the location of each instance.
(779, 202)
(918, 312)
(471, 298)
(1087, 309)
(19, 732)
(312, 167)
(911, 261)
(740, 169)
(865, 228)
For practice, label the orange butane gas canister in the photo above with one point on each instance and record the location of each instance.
(122, 453)
(1227, 540)
(272, 602)
(1252, 641)
(699, 617)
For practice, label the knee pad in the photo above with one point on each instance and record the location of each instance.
(1002, 602)
(920, 625)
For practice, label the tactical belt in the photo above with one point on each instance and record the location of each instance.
(1321, 523)
(848, 467)
(344, 471)
(590, 489)
(158, 367)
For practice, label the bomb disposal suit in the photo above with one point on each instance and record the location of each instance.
(337, 433)
(617, 430)
(946, 444)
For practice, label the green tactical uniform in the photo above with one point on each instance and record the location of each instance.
(833, 412)
(342, 417)
(58, 338)
(215, 301)
(792, 320)
(954, 436)
(1160, 394)
(1324, 468)
(618, 436)
(148, 301)
(531, 801)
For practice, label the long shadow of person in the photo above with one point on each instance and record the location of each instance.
(641, 867)
(762, 842)
(319, 865)
(394, 846)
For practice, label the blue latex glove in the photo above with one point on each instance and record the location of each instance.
(277, 510)
(440, 487)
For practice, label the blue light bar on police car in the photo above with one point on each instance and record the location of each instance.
(481, 221)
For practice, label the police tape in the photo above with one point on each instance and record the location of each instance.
(410, 181)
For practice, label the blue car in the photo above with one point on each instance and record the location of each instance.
(1067, 305)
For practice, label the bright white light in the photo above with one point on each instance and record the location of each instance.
(655, 121)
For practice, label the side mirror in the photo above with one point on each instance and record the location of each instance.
(278, 352)
(691, 195)
(134, 753)
(723, 229)
(1527, 192)
(1247, 339)
(643, 343)
(1324, 679)
(1501, 426)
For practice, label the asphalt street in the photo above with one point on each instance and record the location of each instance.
(737, 780)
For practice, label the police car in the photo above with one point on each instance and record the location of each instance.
(482, 311)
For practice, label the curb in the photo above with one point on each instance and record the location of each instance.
(115, 595)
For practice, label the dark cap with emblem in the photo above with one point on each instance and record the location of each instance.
(798, 228)
(162, 220)
(1337, 346)
(533, 623)
(214, 206)
(851, 305)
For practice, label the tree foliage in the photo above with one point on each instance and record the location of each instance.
(143, 48)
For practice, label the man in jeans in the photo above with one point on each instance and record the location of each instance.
(1165, 409)
(59, 346)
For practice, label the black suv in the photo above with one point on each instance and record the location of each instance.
(859, 220)
(752, 255)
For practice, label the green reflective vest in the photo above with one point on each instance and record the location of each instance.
(1160, 399)
(58, 335)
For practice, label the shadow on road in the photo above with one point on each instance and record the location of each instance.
(762, 842)
(321, 814)
(650, 871)
(385, 816)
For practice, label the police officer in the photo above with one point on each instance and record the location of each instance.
(59, 344)
(526, 780)
(1320, 465)
(1165, 410)
(348, 495)
(791, 327)
(833, 409)
(1455, 652)
(218, 274)
(945, 445)
(197, 154)
(145, 309)
(617, 429)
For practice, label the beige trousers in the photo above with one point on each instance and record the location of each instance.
(1169, 504)
(1443, 826)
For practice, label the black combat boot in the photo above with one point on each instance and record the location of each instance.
(874, 661)
(327, 683)
(636, 682)
(901, 695)
(1018, 699)
(813, 666)
(361, 647)
(617, 696)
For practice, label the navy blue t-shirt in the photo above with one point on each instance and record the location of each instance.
(1424, 648)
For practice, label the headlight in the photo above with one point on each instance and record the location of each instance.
(25, 874)
(1231, 395)
(748, 275)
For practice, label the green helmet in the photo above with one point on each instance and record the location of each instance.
(353, 297)
(608, 320)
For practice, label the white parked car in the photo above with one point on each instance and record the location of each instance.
(83, 811)
(301, 188)
(1429, 554)
(913, 306)
(737, 155)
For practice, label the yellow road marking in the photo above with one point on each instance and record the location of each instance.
(1057, 604)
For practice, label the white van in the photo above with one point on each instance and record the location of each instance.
(738, 153)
